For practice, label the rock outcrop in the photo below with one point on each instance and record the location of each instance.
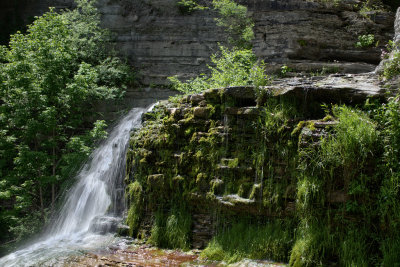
(160, 41)
(219, 154)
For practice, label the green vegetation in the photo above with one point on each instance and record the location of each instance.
(189, 6)
(285, 70)
(171, 231)
(339, 164)
(235, 67)
(244, 239)
(233, 17)
(51, 78)
(392, 65)
(344, 183)
(330, 192)
(135, 201)
(365, 41)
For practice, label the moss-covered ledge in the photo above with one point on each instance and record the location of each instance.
(236, 165)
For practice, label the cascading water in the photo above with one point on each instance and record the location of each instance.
(91, 208)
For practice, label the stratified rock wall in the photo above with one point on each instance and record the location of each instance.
(160, 41)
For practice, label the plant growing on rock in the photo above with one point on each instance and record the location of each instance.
(233, 17)
(365, 41)
(391, 67)
(232, 67)
(189, 6)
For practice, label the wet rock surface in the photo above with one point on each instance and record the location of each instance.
(205, 149)
(145, 255)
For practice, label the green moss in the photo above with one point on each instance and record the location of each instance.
(302, 42)
(256, 192)
(313, 245)
(347, 208)
(244, 189)
(135, 202)
(217, 187)
(233, 163)
(328, 118)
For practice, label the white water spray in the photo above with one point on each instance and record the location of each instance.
(90, 210)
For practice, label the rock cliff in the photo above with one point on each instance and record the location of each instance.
(217, 158)
(160, 41)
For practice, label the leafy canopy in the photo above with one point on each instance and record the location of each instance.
(50, 80)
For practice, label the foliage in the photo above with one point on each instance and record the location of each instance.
(135, 202)
(344, 178)
(189, 6)
(233, 17)
(284, 70)
(342, 161)
(50, 79)
(271, 240)
(232, 67)
(171, 231)
(391, 67)
(364, 41)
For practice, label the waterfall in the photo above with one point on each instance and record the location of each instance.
(92, 207)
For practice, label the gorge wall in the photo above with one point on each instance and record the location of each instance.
(226, 156)
(160, 41)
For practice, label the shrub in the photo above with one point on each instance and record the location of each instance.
(188, 6)
(233, 18)
(365, 41)
(232, 67)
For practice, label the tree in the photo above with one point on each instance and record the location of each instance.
(50, 79)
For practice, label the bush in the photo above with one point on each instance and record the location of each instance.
(233, 18)
(188, 6)
(232, 67)
(365, 41)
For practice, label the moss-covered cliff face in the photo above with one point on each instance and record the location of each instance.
(262, 176)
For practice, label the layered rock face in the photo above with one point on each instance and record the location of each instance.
(160, 41)
(218, 154)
